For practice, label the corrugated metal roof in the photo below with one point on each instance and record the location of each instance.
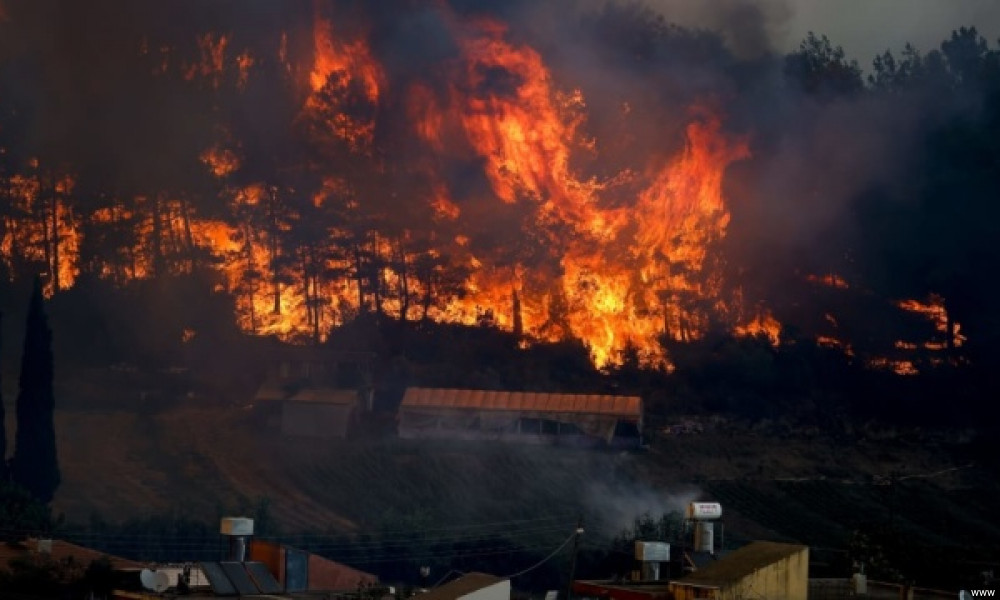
(626, 406)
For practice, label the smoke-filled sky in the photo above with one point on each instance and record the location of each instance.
(868, 27)
(863, 27)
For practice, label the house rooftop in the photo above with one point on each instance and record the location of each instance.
(541, 402)
(466, 584)
(60, 551)
(738, 564)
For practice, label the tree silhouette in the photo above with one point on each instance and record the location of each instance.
(818, 67)
(3, 427)
(34, 465)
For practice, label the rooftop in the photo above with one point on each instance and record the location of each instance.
(466, 584)
(738, 564)
(60, 551)
(325, 395)
(624, 406)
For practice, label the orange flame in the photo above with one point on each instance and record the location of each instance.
(830, 280)
(934, 310)
(340, 68)
(615, 272)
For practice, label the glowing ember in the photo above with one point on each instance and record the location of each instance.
(899, 367)
(221, 161)
(830, 279)
(213, 56)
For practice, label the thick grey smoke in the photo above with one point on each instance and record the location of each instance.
(617, 504)
(751, 28)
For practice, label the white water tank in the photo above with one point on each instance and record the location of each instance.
(237, 529)
(652, 551)
(704, 511)
(236, 526)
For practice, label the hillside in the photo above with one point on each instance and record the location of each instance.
(199, 462)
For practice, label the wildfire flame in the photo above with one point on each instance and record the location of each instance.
(619, 262)
(934, 310)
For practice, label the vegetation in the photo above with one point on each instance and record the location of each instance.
(141, 285)
(174, 199)
(43, 577)
(35, 465)
(21, 514)
(3, 411)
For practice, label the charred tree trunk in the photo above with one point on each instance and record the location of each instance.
(426, 305)
(7, 228)
(360, 276)
(54, 221)
(404, 283)
(188, 235)
(518, 322)
(250, 277)
(159, 263)
(44, 219)
(274, 225)
(306, 274)
(317, 302)
(949, 329)
(375, 277)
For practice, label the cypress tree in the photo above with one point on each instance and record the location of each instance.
(3, 423)
(34, 465)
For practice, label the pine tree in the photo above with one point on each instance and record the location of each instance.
(34, 465)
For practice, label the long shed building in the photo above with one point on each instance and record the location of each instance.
(527, 417)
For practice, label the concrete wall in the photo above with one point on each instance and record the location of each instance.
(785, 579)
(329, 575)
(316, 419)
(272, 555)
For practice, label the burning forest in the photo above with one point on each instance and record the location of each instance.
(589, 173)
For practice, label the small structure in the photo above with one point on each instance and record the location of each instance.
(471, 586)
(527, 417)
(238, 530)
(651, 556)
(293, 368)
(702, 517)
(320, 412)
(300, 571)
(758, 570)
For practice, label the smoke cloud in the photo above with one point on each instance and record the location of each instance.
(617, 504)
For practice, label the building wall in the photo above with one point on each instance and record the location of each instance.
(785, 579)
(315, 419)
(692, 592)
(327, 575)
(272, 555)
(498, 591)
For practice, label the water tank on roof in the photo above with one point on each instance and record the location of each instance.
(652, 551)
(704, 511)
(704, 537)
(237, 529)
(236, 526)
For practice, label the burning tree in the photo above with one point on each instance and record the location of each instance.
(451, 163)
